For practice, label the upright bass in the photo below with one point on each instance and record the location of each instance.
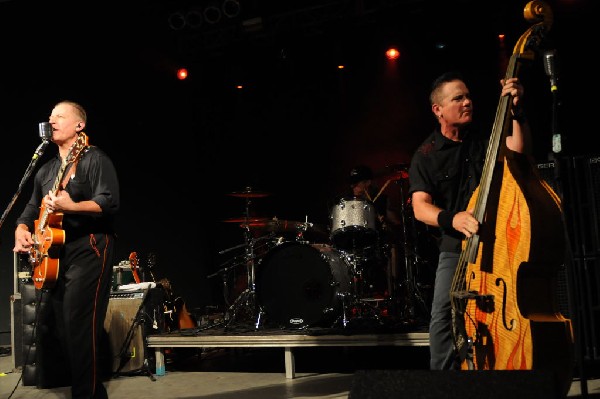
(504, 308)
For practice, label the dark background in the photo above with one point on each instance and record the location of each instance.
(295, 129)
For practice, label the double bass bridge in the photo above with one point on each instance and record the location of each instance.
(484, 302)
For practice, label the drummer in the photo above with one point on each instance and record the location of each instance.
(362, 187)
(376, 263)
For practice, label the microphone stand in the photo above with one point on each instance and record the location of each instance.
(573, 281)
(36, 156)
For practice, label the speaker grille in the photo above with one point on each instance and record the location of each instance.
(123, 324)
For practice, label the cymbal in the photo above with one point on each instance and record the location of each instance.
(400, 174)
(286, 226)
(244, 219)
(394, 172)
(248, 193)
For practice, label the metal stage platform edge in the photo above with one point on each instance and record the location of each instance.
(286, 341)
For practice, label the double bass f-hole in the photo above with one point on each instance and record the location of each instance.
(512, 321)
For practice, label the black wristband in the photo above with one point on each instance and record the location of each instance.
(445, 218)
(518, 114)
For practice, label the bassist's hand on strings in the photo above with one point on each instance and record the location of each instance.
(465, 223)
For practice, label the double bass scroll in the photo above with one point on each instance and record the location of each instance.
(504, 307)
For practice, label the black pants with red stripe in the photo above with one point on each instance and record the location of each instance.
(79, 301)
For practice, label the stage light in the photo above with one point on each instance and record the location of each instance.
(212, 14)
(231, 8)
(193, 19)
(176, 21)
(182, 73)
(392, 54)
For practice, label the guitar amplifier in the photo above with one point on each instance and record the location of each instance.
(131, 316)
(124, 326)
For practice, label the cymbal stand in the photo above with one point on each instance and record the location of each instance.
(246, 301)
(411, 291)
(302, 228)
(236, 261)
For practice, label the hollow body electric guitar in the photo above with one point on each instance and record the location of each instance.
(48, 236)
(134, 265)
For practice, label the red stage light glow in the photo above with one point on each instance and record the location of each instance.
(392, 54)
(182, 73)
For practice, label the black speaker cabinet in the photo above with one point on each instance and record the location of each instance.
(44, 363)
(16, 324)
(579, 178)
(124, 324)
(425, 384)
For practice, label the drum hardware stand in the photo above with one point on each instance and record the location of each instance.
(303, 228)
(411, 290)
(246, 301)
(345, 298)
(225, 267)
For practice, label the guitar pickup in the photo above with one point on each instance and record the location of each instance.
(24, 275)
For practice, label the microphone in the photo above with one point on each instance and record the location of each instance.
(551, 69)
(45, 132)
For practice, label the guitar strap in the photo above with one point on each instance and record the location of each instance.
(71, 172)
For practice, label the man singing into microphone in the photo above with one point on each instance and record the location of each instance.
(80, 189)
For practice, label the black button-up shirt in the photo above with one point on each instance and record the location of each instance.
(449, 171)
(95, 179)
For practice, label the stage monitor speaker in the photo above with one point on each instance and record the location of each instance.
(426, 384)
(125, 328)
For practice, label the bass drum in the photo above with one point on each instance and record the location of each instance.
(300, 285)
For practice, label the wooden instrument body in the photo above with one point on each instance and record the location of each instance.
(504, 305)
(514, 323)
(44, 256)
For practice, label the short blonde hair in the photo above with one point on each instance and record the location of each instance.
(79, 110)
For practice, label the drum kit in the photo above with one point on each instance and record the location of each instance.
(293, 283)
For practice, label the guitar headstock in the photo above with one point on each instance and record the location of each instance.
(133, 260)
(77, 148)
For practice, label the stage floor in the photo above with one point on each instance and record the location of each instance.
(258, 373)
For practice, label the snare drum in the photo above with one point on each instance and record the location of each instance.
(353, 224)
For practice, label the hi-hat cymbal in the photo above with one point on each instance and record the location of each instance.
(248, 220)
(248, 193)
